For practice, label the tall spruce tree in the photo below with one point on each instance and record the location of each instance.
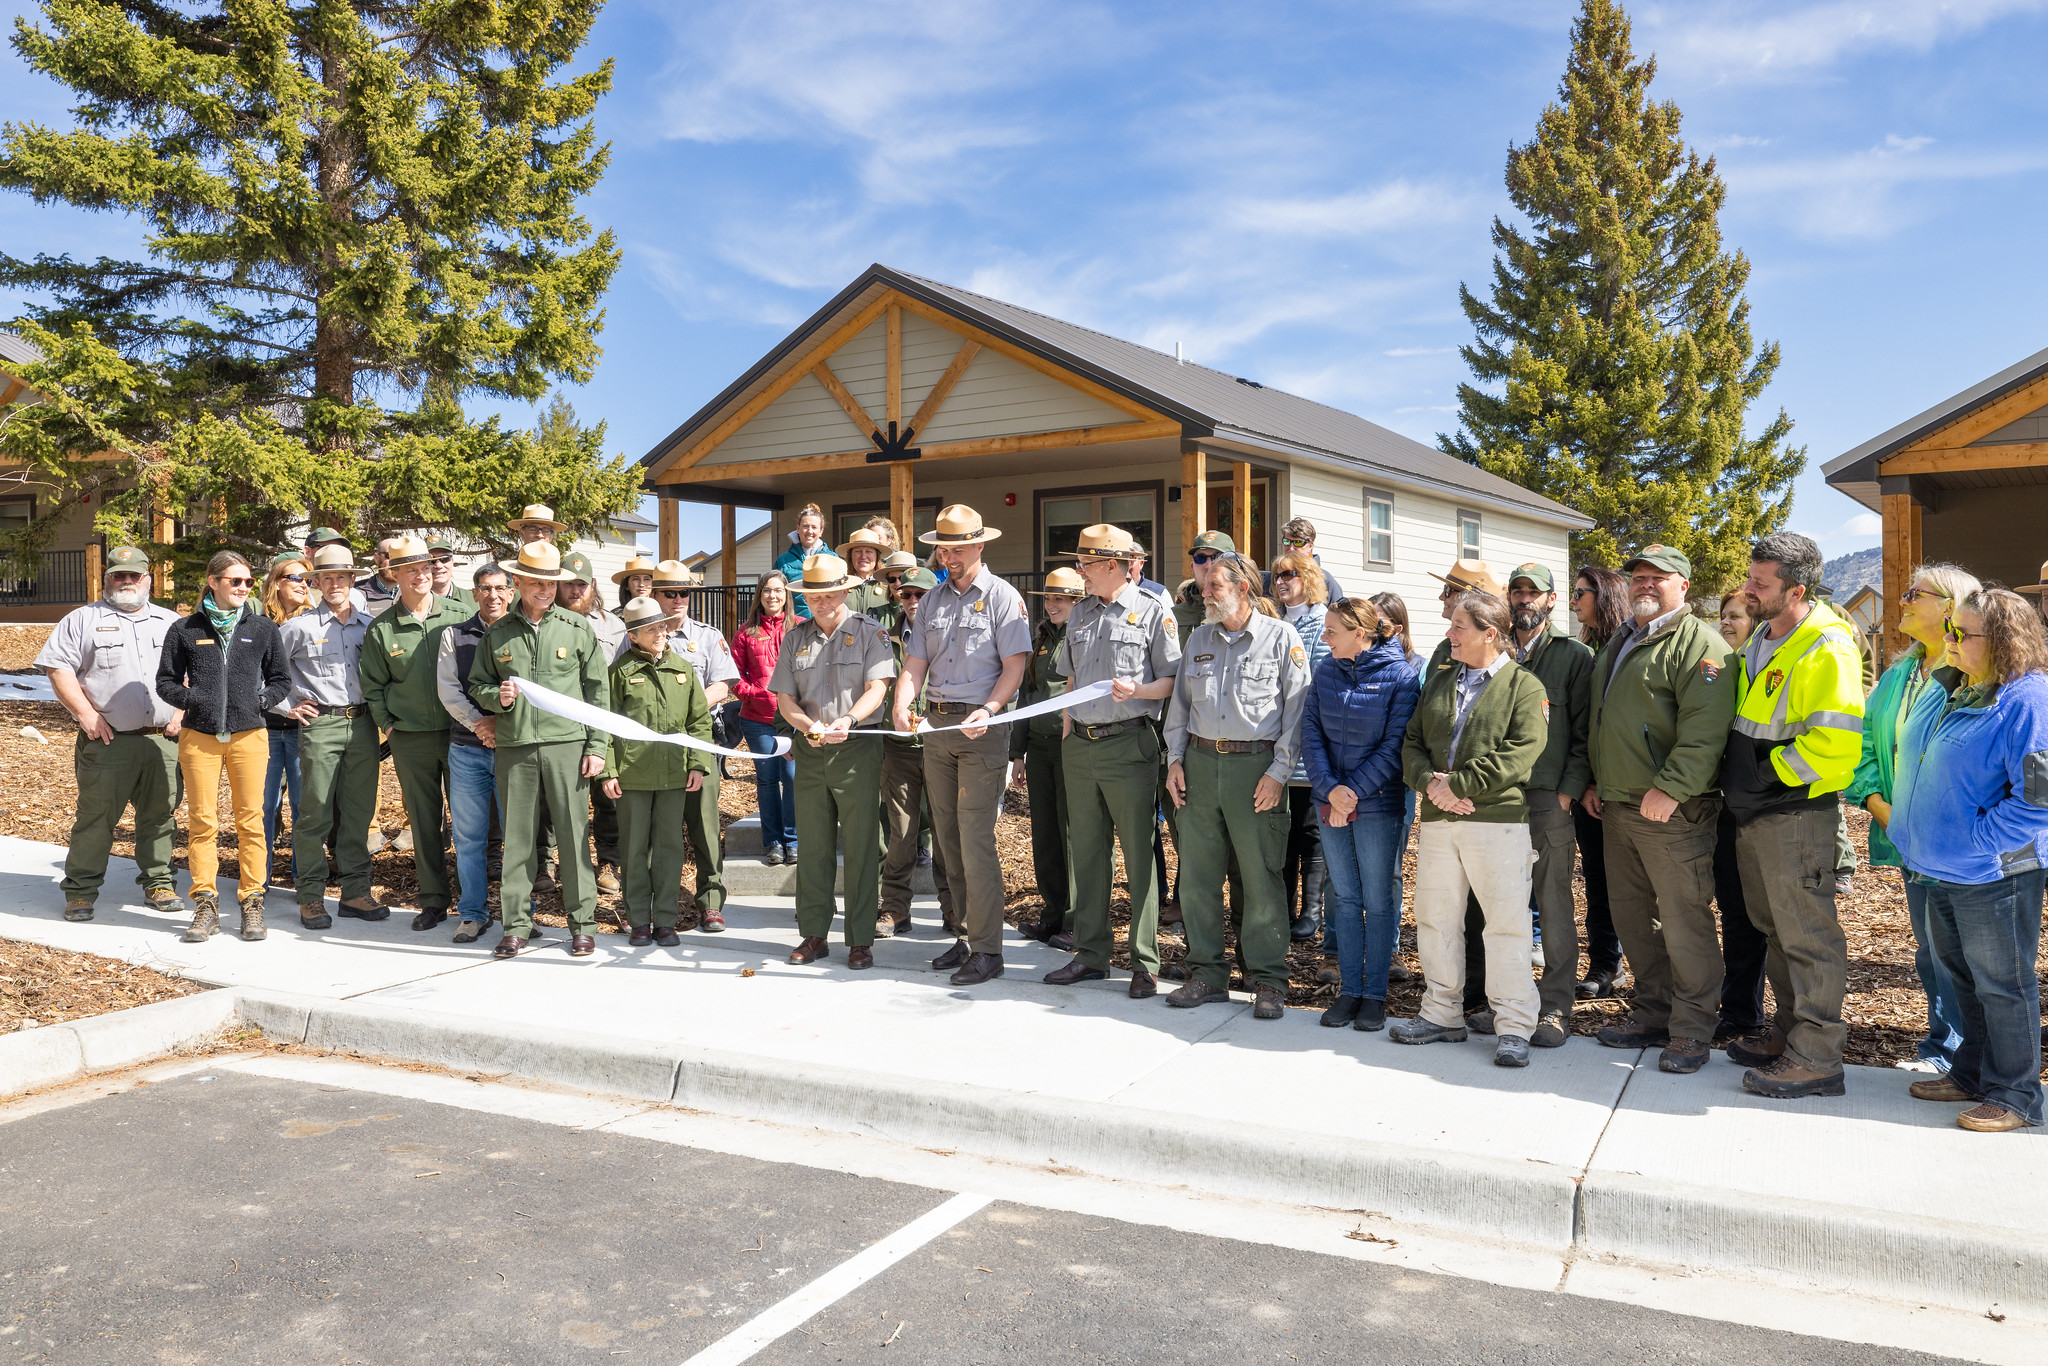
(358, 214)
(1617, 342)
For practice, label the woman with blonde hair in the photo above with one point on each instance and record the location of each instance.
(1302, 598)
(285, 595)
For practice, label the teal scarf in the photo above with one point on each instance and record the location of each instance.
(224, 623)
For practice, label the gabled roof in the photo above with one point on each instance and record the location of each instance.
(1207, 402)
(1854, 472)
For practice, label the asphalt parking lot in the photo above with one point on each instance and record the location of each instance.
(219, 1217)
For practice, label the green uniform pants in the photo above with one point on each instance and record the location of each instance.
(526, 773)
(1112, 784)
(907, 829)
(1788, 886)
(707, 842)
(963, 780)
(1660, 887)
(835, 806)
(135, 770)
(1052, 851)
(1217, 822)
(338, 797)
(420, 758)
(652, 844)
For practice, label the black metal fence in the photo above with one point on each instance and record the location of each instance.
(59, 582)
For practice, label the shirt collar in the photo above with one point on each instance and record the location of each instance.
(1644, 629)
(964, 586)
(1501, 661)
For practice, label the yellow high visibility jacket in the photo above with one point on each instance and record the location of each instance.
(1798, 730)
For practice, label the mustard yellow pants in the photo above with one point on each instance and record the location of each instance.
(246, 757)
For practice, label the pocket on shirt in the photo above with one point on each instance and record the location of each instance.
(1128, 647)
(1261, 682)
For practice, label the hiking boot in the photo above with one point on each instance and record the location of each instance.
(1785, 1079)
(1940, 1089)
(313, 916)
(1990, 1119)
(1629, 1034)
(1419, 1030)
(548, 881)
(1551, 1032)
(1268, 1003)
(1511, 1051)
(1372, 1016)
(205, 918)
(1342, 1013)
(1682, 1055)
(469, 931)
(164, 900)
(1197, 993)
(1758, 1050)
(1479, 1021)
(78, 909)
(1597, 985)
(608, 878)
(252, 917)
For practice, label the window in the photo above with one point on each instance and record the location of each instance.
(1062, 517)
(1468, 535)
(16, 514)
(1379, 528)
(848, 518)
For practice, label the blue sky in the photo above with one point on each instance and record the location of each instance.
(1293, 191)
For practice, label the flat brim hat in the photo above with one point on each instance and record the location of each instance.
(537, 514)
(1472, 576)
(538, 561)
(1213, 540)
(865, 537)
(1662, 557)
(1534, 573)
(959, 525)
(2036, 588)
(334, 559)
(406, 550)
(826, 574)
(1104, 541)
(899, 559)
(642, 612)
(639, 564)
(1062, 583)
(674, 574)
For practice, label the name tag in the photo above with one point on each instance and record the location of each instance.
(109, 630)
(504, 656)
(202, 642)
(1203, 659)
(397, 652)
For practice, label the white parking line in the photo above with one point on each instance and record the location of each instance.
(838, 1283)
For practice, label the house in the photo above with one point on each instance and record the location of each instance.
(1965, 481)
(902, 395)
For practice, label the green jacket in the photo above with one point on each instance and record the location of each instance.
(1504, 736)
(1884, 719)
(562, 655)
(895, 634)
(1661, 720)
(871, 599)
(1189, 611)
(1040, 683)
(663, 696)
(397, 666)
(1565, 668)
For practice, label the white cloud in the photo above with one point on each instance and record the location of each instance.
(1860, 526)
(1397, 205)
(1758, 41)
(1859, 194)
(1419, 351)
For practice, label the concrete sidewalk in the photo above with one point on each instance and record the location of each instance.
(1589, 1152)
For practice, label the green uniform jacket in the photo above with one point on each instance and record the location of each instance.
(1661, 720)
(895, 634)
(1041, 681)
(871, 599)
(1565, 668)
(664, 696)
(465, 596)
(397, 666)
(1189, 611)
(562, 655)
(1505, 735)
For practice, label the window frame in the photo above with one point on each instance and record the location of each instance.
(1372, 496)
(1473, 550)
(1156, 487)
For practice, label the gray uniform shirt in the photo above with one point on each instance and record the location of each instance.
(827, 676)
(1131, 637)
(611, 634)
(1250, 685)
(114, 654)
(320, 652)
(965, 632)
(705, 648)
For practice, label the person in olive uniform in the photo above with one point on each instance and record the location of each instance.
(1190, 610)
(863, 554)
(443, 551)
(579, 594)
(833, 674)
(1122, 634)
(399, 652)
(1037, 744)
(1232, 730)
(648, 780)
(102, 661)
(904, 815)
(539, 752)
(704, 646)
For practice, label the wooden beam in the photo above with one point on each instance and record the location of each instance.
(946, 450)
(1194, 496)
(1241, 507)
(729, 560)
(2018, 455)
(1982, 422)
(668, 540)
(903, 502)
(893, 330)
(843, 396)
(1902, 553)
(95, 569)
(929, 409)
(10, 391)
(1023, 357)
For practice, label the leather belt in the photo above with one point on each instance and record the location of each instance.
(1231, 746)
(351, 710)
(953, 708)
(146, 730)
(1109, 728)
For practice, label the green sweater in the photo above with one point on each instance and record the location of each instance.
(1041, 683)
(663, 696)
(1505, 734)
(562, 655)
(397, 665)
(1565, 668)
(1661, 719)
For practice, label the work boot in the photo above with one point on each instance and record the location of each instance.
(1419, 1030)
(1268, 1003)
(1629, 1034)
(313, 915)
(1551, 1032)
(548, 881)
(165, 901)
(1682, 1055)
(1758, 1050)
(1788, 1080)
(252, 917)
(1597, 985)
(608, 878)
(78, 909)
(205, 918)
(1479, 1021)
(1512, 1050)
(1197, 993)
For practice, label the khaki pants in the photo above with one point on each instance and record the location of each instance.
(1660, 886)
(1490, 861)
(1788, 862)
(963, 781)
(246, 759)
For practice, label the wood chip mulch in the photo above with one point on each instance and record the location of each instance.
(40, 986)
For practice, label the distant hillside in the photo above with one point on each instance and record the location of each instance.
(1847, 573)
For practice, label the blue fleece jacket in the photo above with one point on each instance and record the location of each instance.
(1970, 796)
(1353, 723)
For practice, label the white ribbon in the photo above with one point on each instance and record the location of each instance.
(1087, 692)
(611, 723)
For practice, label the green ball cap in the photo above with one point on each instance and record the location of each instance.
(1534, 573)
(919, 578)
(1213, 540)
(325, 535)
(128, 559)
(1661, 557)
(578, 564)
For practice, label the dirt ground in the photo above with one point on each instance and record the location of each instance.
(40, 986)
(1885, 1009)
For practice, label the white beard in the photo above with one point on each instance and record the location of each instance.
(126, 599)
(1647, 607)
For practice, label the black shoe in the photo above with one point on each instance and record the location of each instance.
(1305, 929)
(1372, 1016)
(979, 968)
(373, 911)
(1397, 973)
(953, 957)
(1342, 1013)
(642, 936)
(1041, 930)
(1597, 986)
(1076, 971)
(427, 920)
(1627, 1034)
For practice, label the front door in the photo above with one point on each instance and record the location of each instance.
(1220, 520)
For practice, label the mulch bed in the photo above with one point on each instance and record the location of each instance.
(40, 986)
(1885, 1010)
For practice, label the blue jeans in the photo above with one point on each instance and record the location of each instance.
(774, 786)
(1365, 902)
(279, 782)
(1944, 1019)
(472, 798)
(1986, 937)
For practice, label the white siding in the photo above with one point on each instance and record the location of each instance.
(757, 552)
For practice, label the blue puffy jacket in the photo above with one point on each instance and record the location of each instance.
(1970, 796)
(1353, 724)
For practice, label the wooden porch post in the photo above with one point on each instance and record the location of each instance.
(1194, 495)
(903, 503)
(163, 530)
(729, 561)
(668, 540)
(1241, 507)
(95, 568)
(1901, 553)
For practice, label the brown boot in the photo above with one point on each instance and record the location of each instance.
(252, 916)
(78, 909)
(1758, 1050)
(608, 878)
(205, 919)
(1788, 1080)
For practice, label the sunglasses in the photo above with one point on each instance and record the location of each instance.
(1296, 545)
(238, 583)
(1959, 635)
(673, 593)
(1582, 593)
(1204, 556)
(1913, 595)
(911, 594)
(291, 578)
(1285, 574)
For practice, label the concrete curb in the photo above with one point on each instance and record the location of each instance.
(104, 1043)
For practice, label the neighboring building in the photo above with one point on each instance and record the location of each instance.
(756, 556)
(1966, 481)
(903, 394)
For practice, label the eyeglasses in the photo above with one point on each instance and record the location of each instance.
(1959, 635)
(238, 583)
(1913, 595)
(1285, 574)
(673, 593)
(1293, 544)
(496, 589)
(1204, 556)
(911, 594)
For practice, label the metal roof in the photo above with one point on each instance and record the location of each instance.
(1854, 472)
(15, 351)
(1207, 402)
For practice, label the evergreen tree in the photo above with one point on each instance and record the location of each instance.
(359, 214)
(1617, 339)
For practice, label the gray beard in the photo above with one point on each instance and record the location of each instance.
(1647, 608)
(1529, 618)
(126, 599)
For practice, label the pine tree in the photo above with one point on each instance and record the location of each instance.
(1617, 340)
(359, 215)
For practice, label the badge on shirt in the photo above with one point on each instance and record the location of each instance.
(848, 638)
(1773, 680)
(505, 655)
(202, 642)
(690, 645)
(1297, 656)
(561, 652)
(980, 604)
(1132, 618)
(1709, 670)
(1546, 711)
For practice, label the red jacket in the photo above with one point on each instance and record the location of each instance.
(755, 650)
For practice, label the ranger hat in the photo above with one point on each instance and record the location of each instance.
(899, 559)
(1661, 557)
(674, 574)
(959, 525)
(324, 535)
(1536, 574)
(825, 574)
(2033, 588)
(639, 564)
(334, 559)
(407, 550)
(577, 565)
(1213, 540)
(129, 560)
(1104, 541)
(1062, 583)
(921, 579)
(869, 537)
(538, 514)
(1472, 576)
(642, 612)
(539, 560)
